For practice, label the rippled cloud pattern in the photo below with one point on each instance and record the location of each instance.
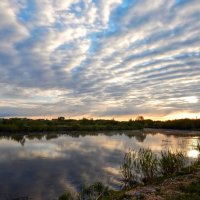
(100, 58)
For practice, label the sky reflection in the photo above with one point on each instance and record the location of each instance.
(44, 169)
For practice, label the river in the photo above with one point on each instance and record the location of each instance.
(44, 166)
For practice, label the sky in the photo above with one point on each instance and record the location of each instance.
(100, 58)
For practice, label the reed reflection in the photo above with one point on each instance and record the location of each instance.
(43, 166)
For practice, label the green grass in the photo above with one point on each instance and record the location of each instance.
(188, 192)
(193, 188)
(184, 197)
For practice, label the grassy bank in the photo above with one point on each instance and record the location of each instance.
(147, 176)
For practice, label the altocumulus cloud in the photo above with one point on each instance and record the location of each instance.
(99, 58)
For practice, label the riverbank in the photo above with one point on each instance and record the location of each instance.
(179, 187)
(146, 176)
(184, 186)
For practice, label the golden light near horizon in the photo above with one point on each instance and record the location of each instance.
(193, 153)
(182, 115)
(153, 116)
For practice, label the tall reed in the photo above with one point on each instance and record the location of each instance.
(171, 162)
(139, 166)
(128, 169)
(147, 164)
(198, 148)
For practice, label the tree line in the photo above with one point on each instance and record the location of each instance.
(62, 124)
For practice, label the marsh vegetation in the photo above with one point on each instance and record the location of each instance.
(145, 165)
(142, 168)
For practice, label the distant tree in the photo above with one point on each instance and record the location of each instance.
(139, 118)
(61, 118)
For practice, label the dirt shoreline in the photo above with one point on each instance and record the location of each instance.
(186, 186)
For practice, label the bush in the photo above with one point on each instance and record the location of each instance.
(171, 162)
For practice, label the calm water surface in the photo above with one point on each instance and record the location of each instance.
(43, 168)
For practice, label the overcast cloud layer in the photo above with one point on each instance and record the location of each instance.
(99, 58)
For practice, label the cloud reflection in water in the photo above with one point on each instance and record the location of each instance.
(44, 169)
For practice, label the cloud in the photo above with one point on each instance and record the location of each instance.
(99, 58)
